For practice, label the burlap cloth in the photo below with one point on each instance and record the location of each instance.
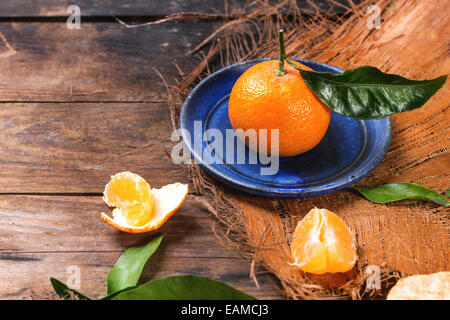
(401, 238)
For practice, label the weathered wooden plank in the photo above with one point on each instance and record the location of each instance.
(72, 223)
(52, 8)
(26, 276)
(70, 147)
(98, 8)
(99, 62)
(41, 236)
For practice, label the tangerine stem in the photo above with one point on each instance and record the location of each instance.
(280, 72)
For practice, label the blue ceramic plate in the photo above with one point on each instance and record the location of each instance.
(349, 151)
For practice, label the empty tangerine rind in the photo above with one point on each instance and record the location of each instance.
(323, 243)
(166, 202)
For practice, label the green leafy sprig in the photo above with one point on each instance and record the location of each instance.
(365, 92)
(122, 282)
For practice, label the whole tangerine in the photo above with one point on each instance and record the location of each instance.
(265, 97)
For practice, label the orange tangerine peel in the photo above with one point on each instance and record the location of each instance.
(323, 243)
(137, 207)
(435, 286)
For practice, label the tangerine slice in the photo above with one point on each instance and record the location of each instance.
(131, 196)
(435, 286)
(323, 243)
(138, 207)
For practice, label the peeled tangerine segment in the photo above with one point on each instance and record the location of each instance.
(323, 243)
(131, 195)
(435, 286)
(140, 209)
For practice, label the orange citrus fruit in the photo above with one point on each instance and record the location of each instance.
(137, 207)
(323, 243)
(130, 194)
(435, 286)
(262, 99)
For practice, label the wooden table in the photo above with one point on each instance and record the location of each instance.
(77, 106)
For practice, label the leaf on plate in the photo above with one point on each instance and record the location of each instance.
(400, 191)
(186, 287)
(127, 270)
(368, 93)
(65, 292)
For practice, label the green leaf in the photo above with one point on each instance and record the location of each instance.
(447, 194)
(185, 287)
(368, 93)
(65, 292)
(112, 295)
(400, 191)
(127, 270)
